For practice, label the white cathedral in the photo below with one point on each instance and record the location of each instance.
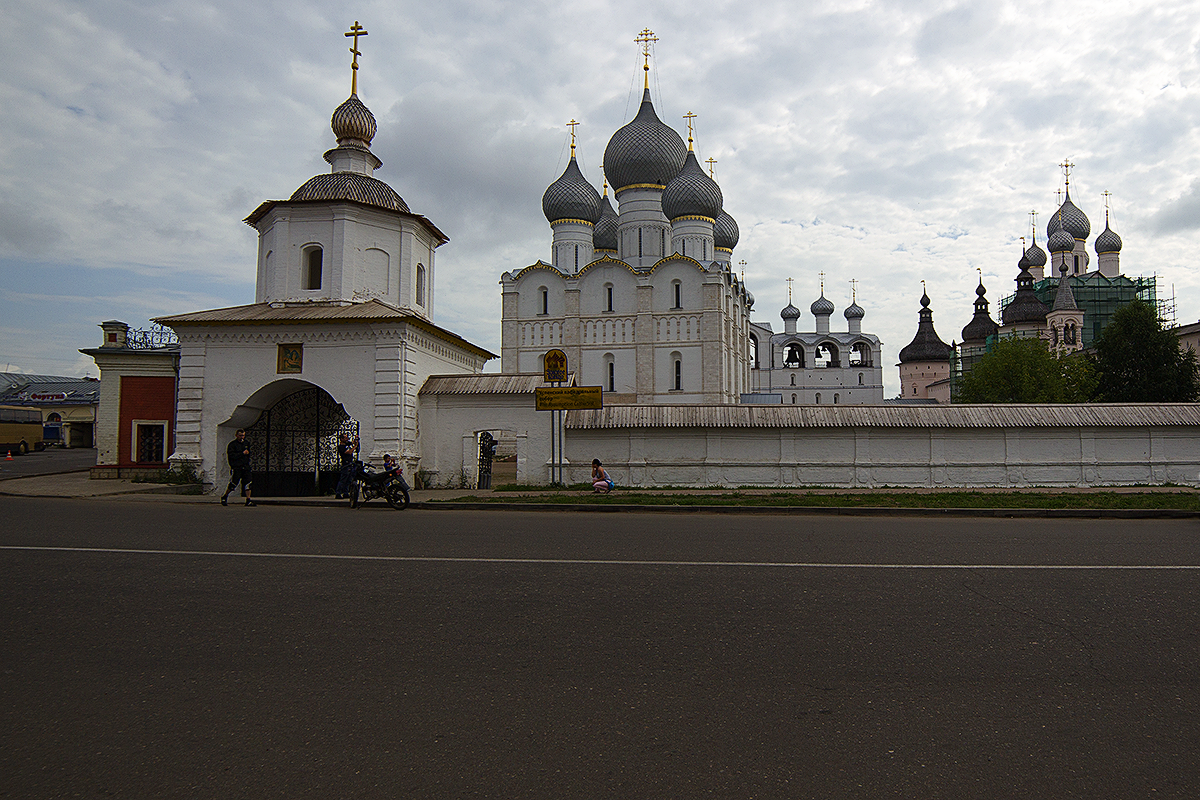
(643, 300)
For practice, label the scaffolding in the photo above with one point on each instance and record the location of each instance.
(1100, 296)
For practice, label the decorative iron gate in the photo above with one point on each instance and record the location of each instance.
(294, 444)
(487, 451)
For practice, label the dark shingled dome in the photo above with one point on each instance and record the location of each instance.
(354, 187)
(692, 193)
(1061, 241)
(790, 312)
(1035, 255)
(353, 120)
(925, 346)
(1108, 241)
(571, 197)
(604, 237)
(981, 325)
(1025, 307)
(725, 232)
(821, 306)
(644, 151)
(1073, 221)
(854, 311)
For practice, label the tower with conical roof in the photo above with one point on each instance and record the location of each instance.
(925, 361)
(1064, 321)
(573, 208)
(976, 333)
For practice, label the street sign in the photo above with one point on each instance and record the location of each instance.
(555, 366)
(567, 398)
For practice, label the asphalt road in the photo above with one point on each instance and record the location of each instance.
(50, 461)
(171, 649)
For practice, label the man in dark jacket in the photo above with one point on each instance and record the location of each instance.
(347, 455)
(239, 467)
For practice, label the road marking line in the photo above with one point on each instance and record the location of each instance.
(600, 561)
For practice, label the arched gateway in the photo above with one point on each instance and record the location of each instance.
(293, 429)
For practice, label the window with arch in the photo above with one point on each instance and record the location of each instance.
(1054, 336)
(610, 373)
(826, 356)
(1069, 334)
(860, 379)
(818, 398)
(662, 241)
(677, 364)
(420, 284)
(793, 356)
(577, 258)
(677, 289)
(608, 295)
(312, 266)
(836, 397)
(639, 242)
(545, 301)
(1076, 264)
(914, 388)
(753, 351)
(793, 379)
(860, 355)
(793, 399)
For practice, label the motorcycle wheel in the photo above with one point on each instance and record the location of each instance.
(397, 497)
(354, 493)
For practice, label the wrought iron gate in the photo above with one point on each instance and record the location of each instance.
(293, 444)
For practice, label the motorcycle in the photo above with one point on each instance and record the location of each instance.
(368, 484)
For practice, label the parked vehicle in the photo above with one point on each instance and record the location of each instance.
(20, 430)
(368, 484)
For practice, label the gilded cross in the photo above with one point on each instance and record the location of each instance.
(645, 39)
(572, 125)
(853, 290)
(742, 264)
(689, 117)
(1066, 165)
(710, 162)
(1033, 221)
(822, 274)
(356, 31)
(789, 283)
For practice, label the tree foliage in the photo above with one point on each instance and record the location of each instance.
(1025, 371)
(1139, 360)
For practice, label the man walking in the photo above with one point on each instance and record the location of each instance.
(347, 452)
(238, 453)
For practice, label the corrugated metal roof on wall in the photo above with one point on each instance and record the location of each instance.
(1117, 415)
(490, 383)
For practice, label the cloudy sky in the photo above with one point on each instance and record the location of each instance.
(885, 142)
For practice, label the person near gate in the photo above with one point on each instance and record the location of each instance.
(347, 455)
(238, 454)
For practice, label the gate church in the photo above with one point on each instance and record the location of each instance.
(340, 337)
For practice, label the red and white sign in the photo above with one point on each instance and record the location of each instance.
(47, 397)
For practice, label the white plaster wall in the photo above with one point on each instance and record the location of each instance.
(874, 458)
(450, 425)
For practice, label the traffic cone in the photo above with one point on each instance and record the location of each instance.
(9, 458)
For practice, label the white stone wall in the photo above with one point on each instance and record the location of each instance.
(450, 426)
(877, 457)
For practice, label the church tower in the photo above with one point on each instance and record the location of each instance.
(925, 361)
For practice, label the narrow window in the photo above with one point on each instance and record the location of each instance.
(704, 250)
(678, 375)
(545, 301)
(420, 284)
(914, 390)
(678, 294)
(818, 398)
(683, 244)
(312, 268)
(662, 241)
(577, 258)
(610, 308)
(1077, 264)
(793, 380)
(639, 242)
(835, 398)
(793, 399)
(860, 379)
(612, 377)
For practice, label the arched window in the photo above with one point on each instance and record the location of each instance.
(793, 379)
(860, 355)
(1069, 334)
(1076, 265)
(420, 284)
(818, 398)
(793, 399)
(608, 291)
(860, 379)
(678, 375)
(835, 398)
(612, 377)
(577, 258)
(545, 301)
(312, 266)
(639, 242)
(826, 356)
(793, 356)
(1054, 336)
(914, 390)
(677, 288)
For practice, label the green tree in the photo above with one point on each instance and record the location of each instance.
(1025, 371)
(1138, 360)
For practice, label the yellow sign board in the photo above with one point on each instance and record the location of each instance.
(567, 398)
(555, 366)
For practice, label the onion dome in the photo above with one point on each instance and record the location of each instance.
(571, 197)
(1023, 262)
(692, 193)
(821, 307)
(750, 299)
(926, 345)
(1108, 241)
(1025, 307)
(1035, 255)
(981, 325)
(604, 237)
(790, 312)
(646, 151)
(725, 232)
(1061, 241)
(854, 311)
(1071, 219)
(354, 187)
(353, 121)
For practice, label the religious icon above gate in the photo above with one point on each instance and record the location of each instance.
(291, 359)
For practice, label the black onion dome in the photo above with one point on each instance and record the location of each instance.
(604, 237)
(353, 187)
(692, 193)
(1073, 221)
(1025, 307)
(854, 311)
(571, 197)
(981, 325)
(1035, 255)
(1061, 241)
(790, 312)
(1108, 241)
(926, 345)
(725, 232)
(644, 151)
(821, 306)
(353, 120)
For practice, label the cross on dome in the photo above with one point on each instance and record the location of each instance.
(572, 125)
(711, 162)
(1066, 167)
(355, 31)
(789, 283)
(645, 39)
